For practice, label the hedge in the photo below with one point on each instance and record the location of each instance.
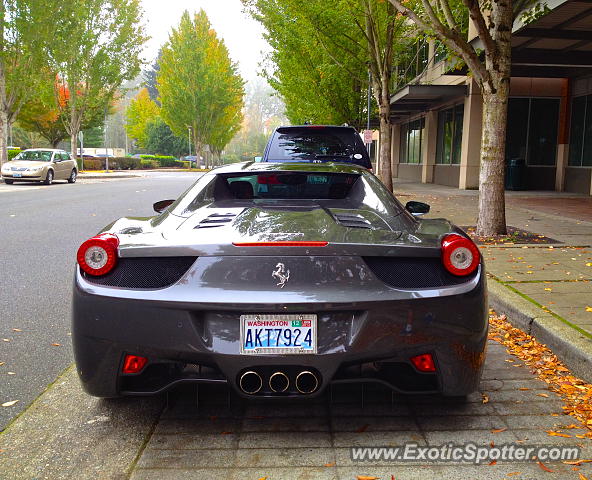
(163, 160)
(134, 163)
(13, 153)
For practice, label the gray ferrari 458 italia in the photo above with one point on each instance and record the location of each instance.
(279, 280)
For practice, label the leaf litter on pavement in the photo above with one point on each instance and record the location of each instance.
(575, 393)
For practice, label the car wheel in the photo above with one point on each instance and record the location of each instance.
(8, 182)
(49, 179)
(72, 177)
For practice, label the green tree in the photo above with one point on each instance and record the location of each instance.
(160, 140)
(140, 112)
(25, 32)
(356, 36)
(313, 86)
(150, 79)
(490, 66)
(198, 82)
(95, 50)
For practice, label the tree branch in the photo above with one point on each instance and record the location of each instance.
(481, 26)
(447, 36)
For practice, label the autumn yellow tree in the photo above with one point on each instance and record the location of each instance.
(200, 89)
(140, 112)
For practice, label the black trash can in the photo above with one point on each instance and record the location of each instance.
(516, 174)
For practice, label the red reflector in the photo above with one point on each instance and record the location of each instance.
(424, 363)
(281, 244)
(133, 364)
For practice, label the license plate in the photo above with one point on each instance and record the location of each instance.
(282, 334)
(17, 175)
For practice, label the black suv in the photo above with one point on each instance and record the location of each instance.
(317, 144)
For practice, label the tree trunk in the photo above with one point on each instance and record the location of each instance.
(492, 206)
(74, 145)
(384, 154)
(3, 136)
(386, 175)
(3, 111)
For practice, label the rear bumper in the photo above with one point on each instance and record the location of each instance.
(357, 340)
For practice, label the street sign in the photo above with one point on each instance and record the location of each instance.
(368, 136)
(80, 136)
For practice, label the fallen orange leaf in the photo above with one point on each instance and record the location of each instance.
(498, 430)
(332, 464)
(576, 462)
(544, 467)
(582, 477)
(493, 462)
(557, 434)
(364, 477)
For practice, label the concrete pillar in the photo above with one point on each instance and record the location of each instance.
(395, 149)
(428, 147)
(470, 156)
(562, 137)
(561, 165)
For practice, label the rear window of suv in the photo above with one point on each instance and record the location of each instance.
(291, 185)
(317, 144)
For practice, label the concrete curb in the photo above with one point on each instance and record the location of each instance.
(570, 345)
(107, 175)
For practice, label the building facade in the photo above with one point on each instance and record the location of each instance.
(437, 118)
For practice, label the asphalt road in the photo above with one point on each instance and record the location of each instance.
(41, 228)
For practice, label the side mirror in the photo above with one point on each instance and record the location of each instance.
(417, 208)
(161, 206)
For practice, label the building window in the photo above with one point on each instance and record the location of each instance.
(532, 130)
(450, 124)
(411, 139)
(580, 142)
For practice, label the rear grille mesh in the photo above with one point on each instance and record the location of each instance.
(144, 272)
(406, 272)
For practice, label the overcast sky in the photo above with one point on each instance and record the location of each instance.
(242, 35)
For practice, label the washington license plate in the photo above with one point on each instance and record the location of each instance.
(281, 334)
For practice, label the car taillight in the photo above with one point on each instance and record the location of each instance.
(133, 364)
(424, 363)
(98, 255)
(459, 255)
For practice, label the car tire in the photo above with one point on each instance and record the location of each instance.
(8, 182)
(49, 178)
(72, 177)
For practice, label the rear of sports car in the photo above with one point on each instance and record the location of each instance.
(277, 295)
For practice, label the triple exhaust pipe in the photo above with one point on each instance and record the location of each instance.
(251, 382)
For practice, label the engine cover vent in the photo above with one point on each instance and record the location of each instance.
(352, 220)
(216, 220)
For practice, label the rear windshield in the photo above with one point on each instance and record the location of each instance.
(291, 185)
(317, 144)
